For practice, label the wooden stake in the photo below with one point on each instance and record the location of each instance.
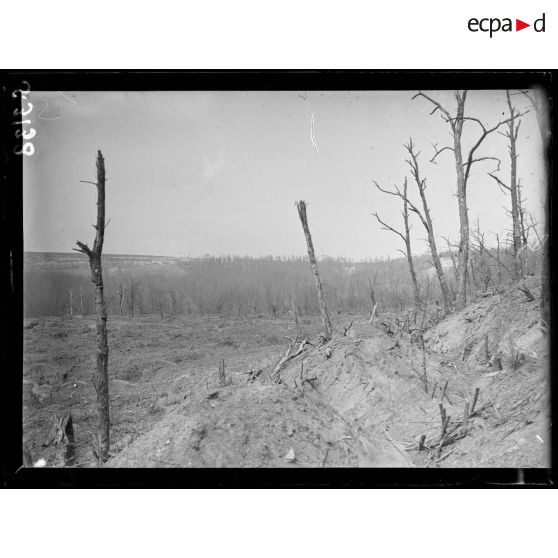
(434, 389)
(465, 417)
(301, 206)
(424, 370)
(421, 442)
(444, 390)
(475, 397)
(445, 421)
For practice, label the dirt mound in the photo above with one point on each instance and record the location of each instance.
(503, 326)
(382, 382)
(248, 426)
(372, 379)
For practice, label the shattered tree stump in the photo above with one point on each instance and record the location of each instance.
(100, 378)
(221, 374)
(474, 402)
(326, 324)
(444, 390)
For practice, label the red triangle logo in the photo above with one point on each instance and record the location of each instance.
(519, 25)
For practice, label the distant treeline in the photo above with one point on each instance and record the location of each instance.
(253, 286)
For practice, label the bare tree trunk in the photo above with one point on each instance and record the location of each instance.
(522, 227)
(427, 222)
(132, 291)
(371, 291)
(82, 307)
(407, 240)
(120, 297)
(498, 260)
(541, 105)
(463, 251)
(513, 189)
(100, 380)
(463, 169)
(301, 206)
(71, 293)
(452, 256)
(408, 249)
(545, 277)
(516, 224)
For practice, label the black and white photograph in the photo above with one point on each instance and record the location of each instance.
(288, 278)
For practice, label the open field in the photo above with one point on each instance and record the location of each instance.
(362, 399)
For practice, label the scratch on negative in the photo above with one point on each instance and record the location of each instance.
(312, 138)
(66, 97)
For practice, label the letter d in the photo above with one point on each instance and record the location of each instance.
(536, 24)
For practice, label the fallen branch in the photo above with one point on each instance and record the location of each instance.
(424, 386)
(525, 290)
(289, 355)
(465, 418)
(347, 328)
(411, 464)
(497, 413)
(445, 456)
(373, 314)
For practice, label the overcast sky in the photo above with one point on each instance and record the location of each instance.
(194, 173)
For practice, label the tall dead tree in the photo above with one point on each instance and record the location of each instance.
(326, 324)
(425, 219)
(522, 220)
(81, 305)
(541, 105)
(372, 293)
(120, 296)
(513, 189)
(463, 166)
(407, 241)
(100, 378)
(132, 295)
(71, 302)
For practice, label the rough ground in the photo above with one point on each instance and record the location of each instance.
(360, 400)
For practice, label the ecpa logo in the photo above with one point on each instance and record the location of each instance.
(494, 24)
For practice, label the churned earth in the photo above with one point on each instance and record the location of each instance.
(366, 398)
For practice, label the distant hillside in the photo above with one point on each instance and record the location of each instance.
(74, 262)
(58, 284)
